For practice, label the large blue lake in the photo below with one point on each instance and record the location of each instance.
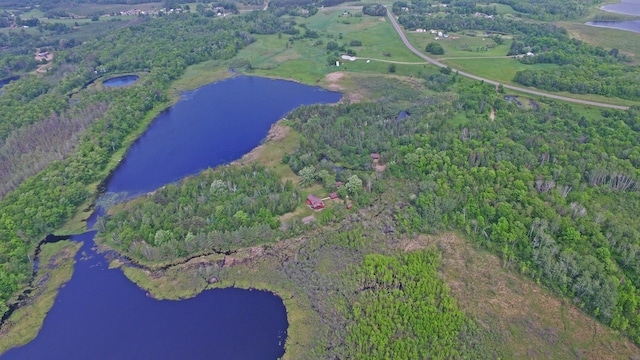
(627, 7)
(213, 125)
(630, 25)
(100, 314)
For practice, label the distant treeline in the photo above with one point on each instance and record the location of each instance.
(48, 4)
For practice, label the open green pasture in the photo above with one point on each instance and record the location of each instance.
(376, 34)
(503, 69)
(502, 8)
(586, 109)
(464, 46)
(32, 13)
(306, 59)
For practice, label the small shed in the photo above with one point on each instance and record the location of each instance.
(308, 219)
(339, 183)
(333, 196)
(375, 156)
(315, 202)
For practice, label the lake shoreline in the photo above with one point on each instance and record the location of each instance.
(630, 25)
(80, 220)
(152, 277)
(620, 3)
(25, 322)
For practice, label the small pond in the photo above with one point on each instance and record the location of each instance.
(121, 81)
(4, 82)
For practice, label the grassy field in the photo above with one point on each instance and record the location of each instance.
(625, 41)
(305, 60)
(503, 8)
(503, 69)
(463, 47)
(526, 320)
(375, 33)
(56, 267)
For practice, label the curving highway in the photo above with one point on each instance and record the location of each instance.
(529, 91)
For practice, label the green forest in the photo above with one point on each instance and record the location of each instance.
(551, 189)
(553, 192)
(217, 212)
(403, 311)
(45, 178)
(544, 189)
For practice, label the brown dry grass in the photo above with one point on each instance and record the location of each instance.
(525, 320)
(343, 82)
(276, 134)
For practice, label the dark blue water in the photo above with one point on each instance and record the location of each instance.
(121, 81)
(4, 82)
(100, 314)
(631, 25)
(213, 125)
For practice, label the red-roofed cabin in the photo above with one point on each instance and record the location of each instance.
(333, 195)
(339, 183)
(314, 202)
(375, 156)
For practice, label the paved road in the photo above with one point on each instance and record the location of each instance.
(534, 92)
(392, 61)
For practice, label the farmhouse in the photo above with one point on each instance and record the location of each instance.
(315, 202)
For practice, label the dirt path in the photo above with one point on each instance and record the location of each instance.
(476, 57)
(511, 87)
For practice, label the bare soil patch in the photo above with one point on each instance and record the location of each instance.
(335, 81)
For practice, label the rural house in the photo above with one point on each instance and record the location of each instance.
(314, 202)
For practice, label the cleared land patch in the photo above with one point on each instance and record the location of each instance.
(526, 320)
